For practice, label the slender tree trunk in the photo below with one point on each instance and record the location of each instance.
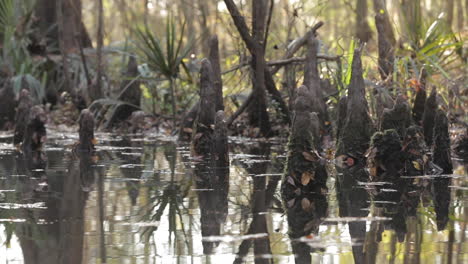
(96, 92)
(460, 18)
(257, 110)
(449, 9)
(363, 30)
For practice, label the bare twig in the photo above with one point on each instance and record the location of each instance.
(249, 41)
(298, 43)
(283, 62)
(240, 110)
(267, 30)
(83, 59)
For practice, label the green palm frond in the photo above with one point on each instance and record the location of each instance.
(163, 60)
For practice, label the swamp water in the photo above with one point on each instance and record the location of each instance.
(143, 200)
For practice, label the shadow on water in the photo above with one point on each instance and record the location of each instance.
(141, 201)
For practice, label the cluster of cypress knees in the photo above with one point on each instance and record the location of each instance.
(401, 146)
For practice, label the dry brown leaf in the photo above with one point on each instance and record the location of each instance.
(188, 130)
(306, 205)
(307, 177)
(297, 192)
(373, 172)
(291, 202)
(291, 181)
(309, 156)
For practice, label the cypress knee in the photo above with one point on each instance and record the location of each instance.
(203, 132)
(358, 128)
(398, 118)
(312, 82)
(220, 149)
(430, 108)
(216, 67)
(418, 105)
(304, 183)
(441, 147)
(86, 131)
(35, 133)
(21, 117)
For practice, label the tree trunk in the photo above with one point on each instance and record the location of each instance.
(363, 30)
(449, 10)
(216, 66)
(74, 29)
(258, 115)
(386, 50)
(249, 41)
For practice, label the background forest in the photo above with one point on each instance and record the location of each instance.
(87, 49)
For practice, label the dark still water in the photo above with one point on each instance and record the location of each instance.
(143, 200)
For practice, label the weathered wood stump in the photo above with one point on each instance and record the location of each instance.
(398, 118)
(86, 131)
(428, 117)
(21, 117)
(35, 134)
(357, 130)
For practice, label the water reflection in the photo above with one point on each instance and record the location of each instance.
(353, 200)
(156, 205)
(53, 233)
